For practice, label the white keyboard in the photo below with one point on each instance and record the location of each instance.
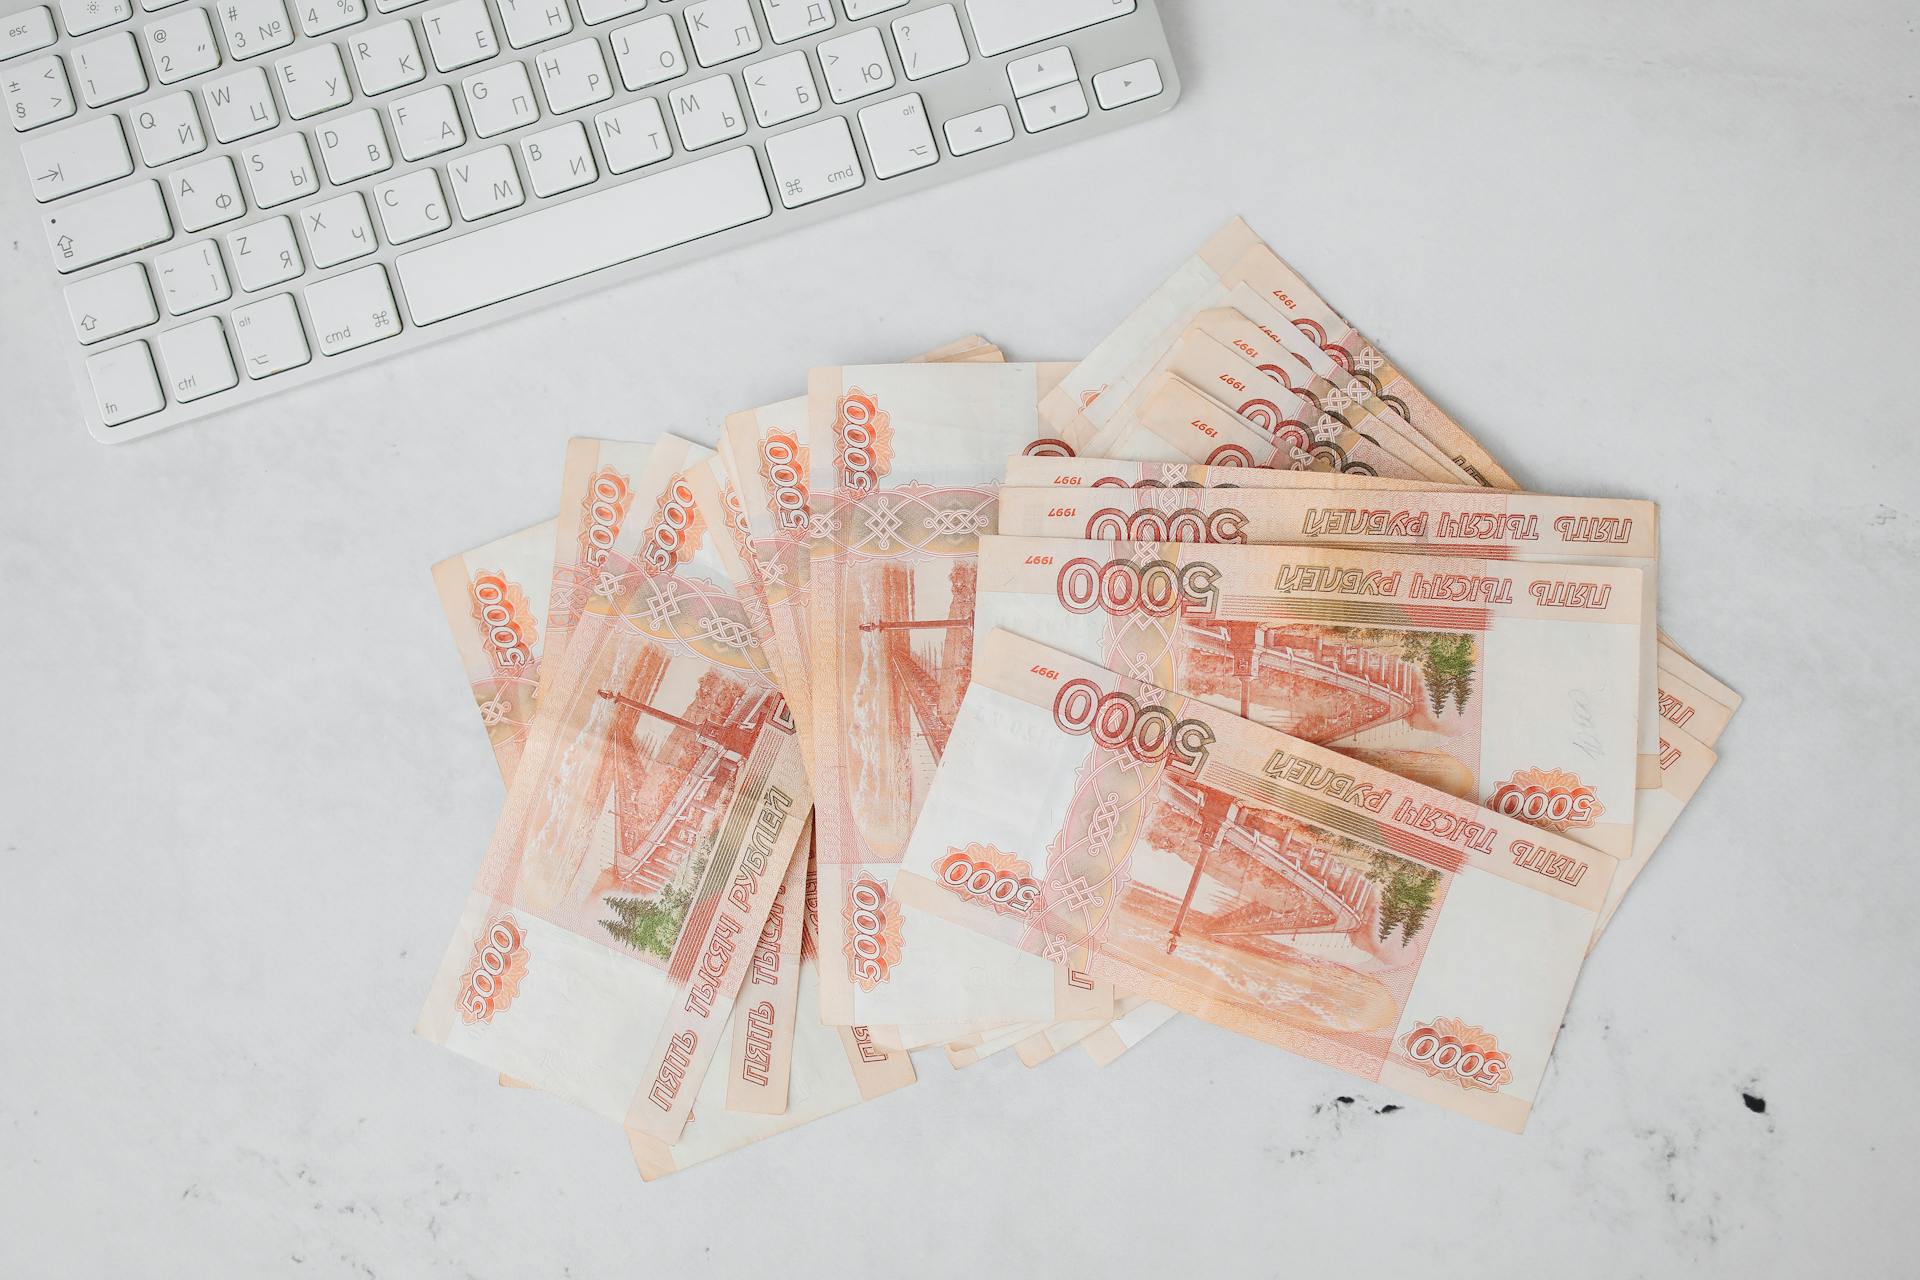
(245, 196)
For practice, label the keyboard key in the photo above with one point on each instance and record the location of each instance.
(460, 34)
(192, 277)
(181, 45)
(1055, 107)
(856, 65)
(1124, 86)
(930, 42)
(26, 31)
(354, 147)
(486, 183)
(37, 92)
(83, 232)
(1041, 71)
(338, 230)
(110, 304)
(633, 135)
(858, 9)
(722, 30)
(240, 105)
(265, 254)
(499, 98)
(792, 19)
(899, 139)
(312, 80)
(207, 194)
(82, 16)
(319, 17)
(531, 21)
(1003, 25)
(352, 310)
(198, 362)
(271, 339)
(707, 112)
(125, 385)
(386, 58)
(426, 123)
(564, 241)
(254, 27)
(109, 69)
(168, 128)
(815, 162)
(154, 6)
(593, 12)
(782, 89)
(978, 130)
(574, 76)
(648, 53)
(389, 6)
(412, 206)
(280, 169)
(559, 159)
(59, 164)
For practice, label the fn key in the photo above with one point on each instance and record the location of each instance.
(352, 310)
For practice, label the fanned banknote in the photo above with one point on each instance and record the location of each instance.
(495, 601)
(767, 455)
(902, 484)
(1508, 683)
(1257, 881)
(648, 829)
(1475, 523)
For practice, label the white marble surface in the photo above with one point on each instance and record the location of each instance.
(1641, 247)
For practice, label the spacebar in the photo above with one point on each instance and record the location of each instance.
(583, 236)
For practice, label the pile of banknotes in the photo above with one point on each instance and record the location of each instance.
(976, 706)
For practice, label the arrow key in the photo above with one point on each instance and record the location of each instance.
(110, 304)
(1124, 86)
(978, 130)
(1049, 110)
(71, 160)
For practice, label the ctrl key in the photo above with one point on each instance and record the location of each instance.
(198, 363)
(125, 384)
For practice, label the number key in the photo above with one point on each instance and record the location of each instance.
(181, 45)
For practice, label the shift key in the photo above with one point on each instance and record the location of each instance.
(84, 232)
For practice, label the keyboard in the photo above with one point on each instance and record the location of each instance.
(243, 197)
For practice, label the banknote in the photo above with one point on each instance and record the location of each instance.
(647, 831)
(1476, 523)
(1689, 707)
(1098, 388)
(1126, 1031)
(833, 1068)
(901, 485)
(1684, 765)
(1050, 1042)
(1255, 880)
(1179, 420)
(1042, 472)
(1512, 684)
(767, 455)
(829, 1070)
(495, 600)
(1313, 435)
